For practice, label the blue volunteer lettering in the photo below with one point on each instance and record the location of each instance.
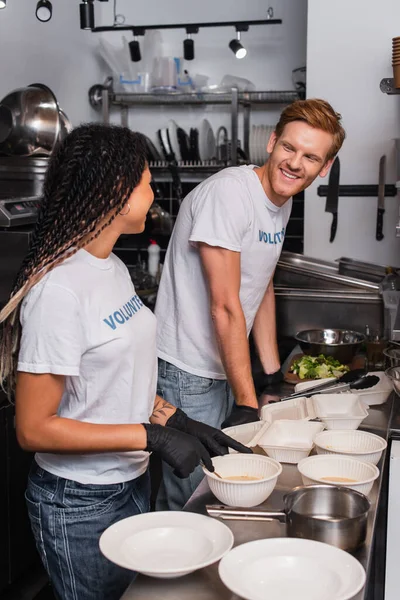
(123, 314)
(271, 238)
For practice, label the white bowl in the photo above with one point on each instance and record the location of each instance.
(357, 444)
(339, 411)
(377, 394)
(243, 493)
(291, 569)
(289, 441)
(314, 469)
(166, 544)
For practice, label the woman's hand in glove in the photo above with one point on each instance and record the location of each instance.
(216, 442)
(181, 451)
(241, 414)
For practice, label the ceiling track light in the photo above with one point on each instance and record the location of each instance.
(188, 43)
(236, 46)
(134, 47)
(3, 4)
(44, 11)
(86, 13)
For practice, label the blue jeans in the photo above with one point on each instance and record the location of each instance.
(207, 400)
(67, 520)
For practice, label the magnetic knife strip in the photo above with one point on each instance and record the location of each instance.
(359, 190)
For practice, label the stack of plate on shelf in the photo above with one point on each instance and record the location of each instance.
(259, 136)
(198, 145)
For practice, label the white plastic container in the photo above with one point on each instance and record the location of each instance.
(289, 441)
(243, 433)
(154, 258)
(361, 445)
(377, 394)
(302, 386)
(339, 411)
(289, 409)
(314, 469)
(243, 493)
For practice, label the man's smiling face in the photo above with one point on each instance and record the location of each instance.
(296, 158)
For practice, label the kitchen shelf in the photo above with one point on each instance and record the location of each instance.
(269, 97)
(104, 96)
(387, 87)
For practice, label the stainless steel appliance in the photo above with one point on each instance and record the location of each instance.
(15, 212)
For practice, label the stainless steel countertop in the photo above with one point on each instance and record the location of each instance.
(205, 584)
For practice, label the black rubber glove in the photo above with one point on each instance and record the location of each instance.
(181, 451)
(241, 414)
(262, 381)
(216, 442)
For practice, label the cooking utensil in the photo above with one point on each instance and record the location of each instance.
(362, 383)
(332, 198)
(324, 513)
(381, 198)
(342, 344)
(347, 377)
(29, 121)
(160, 220)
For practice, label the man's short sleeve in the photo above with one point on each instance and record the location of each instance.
(52, 335)
(221, 215)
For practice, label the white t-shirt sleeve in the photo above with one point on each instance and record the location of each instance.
(221, 215)
(52, 334)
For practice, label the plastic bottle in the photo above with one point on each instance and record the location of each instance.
(154, 258)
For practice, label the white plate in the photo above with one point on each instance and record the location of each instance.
(166, 543)
(173, 137)
(206, 141)
(252, 145)
(288, 569)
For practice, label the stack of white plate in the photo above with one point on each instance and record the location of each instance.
(259, 136)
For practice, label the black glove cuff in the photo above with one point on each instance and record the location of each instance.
(244, 409)
(153, 436)
(178, 420)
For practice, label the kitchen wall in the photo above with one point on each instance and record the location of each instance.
(273, 51)
(348, 53)
(56, 53)
(65, 58)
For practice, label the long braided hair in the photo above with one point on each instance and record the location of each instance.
(89, 179)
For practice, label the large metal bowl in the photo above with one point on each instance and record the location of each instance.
(29, 121)
(342, 344)
(394, 375)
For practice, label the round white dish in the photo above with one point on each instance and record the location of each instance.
(243, 493)
(207, 148)
(166, 544)
(173, 138)
(361, 445)
(314, 468)
(286, 568)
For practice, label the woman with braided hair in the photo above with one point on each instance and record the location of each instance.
(78, 351)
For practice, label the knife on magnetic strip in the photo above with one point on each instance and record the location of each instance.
(332, 197)
(381, 198)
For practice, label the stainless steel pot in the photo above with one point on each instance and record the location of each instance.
(324, 513)
(29, 121)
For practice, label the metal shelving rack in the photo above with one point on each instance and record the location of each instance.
(235, 99)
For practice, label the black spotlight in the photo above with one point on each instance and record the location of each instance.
(44, 11)
(188, 48)
(237, 48)
(134, 49)
(3, 4)
(86, 11)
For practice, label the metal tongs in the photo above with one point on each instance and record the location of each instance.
(352, 380)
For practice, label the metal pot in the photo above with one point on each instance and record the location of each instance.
(159, 220)
(29, 121)
(324, 513)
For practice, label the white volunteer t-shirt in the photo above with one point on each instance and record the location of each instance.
(84, 320)
(229, 210)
